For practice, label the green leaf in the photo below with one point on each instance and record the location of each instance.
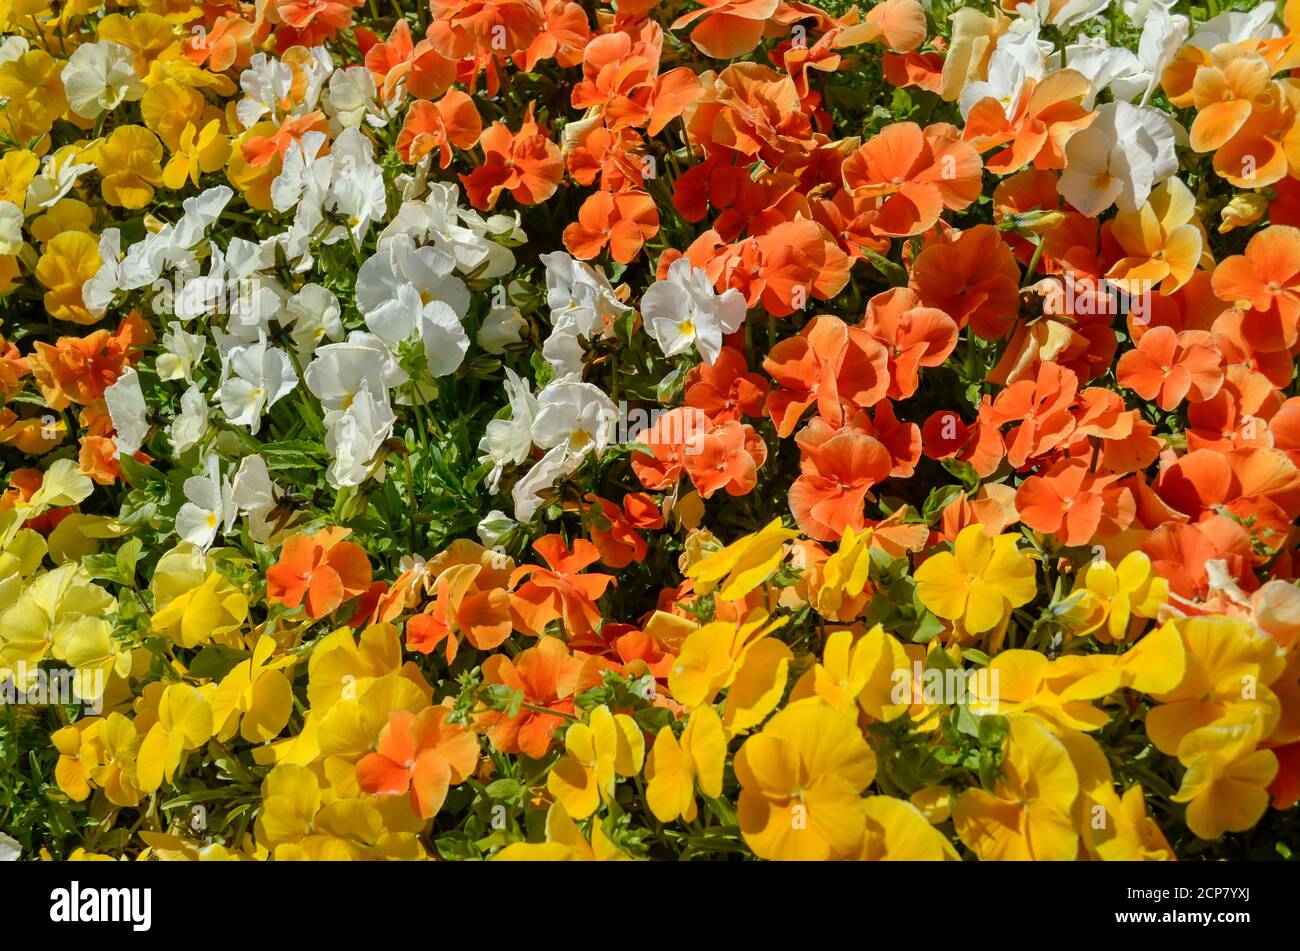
(294, 454)
(507, 790)
(992, 730)
(215, 661)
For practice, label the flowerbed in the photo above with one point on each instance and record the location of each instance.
(539, 429)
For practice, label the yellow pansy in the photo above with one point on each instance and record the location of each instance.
(79, 755)
(1226, 783)
(168, 108)
(130, 164)
(1230, 664)
(801, 781)
(184, 723)
(862, 673)
(1156, 663)
(896, 831)
(979, 582)
(116, 774)
(291, 797)
(63, 484)
(1022, 681)
(1123, 832)
(1029, 814)
(741, 659)
(30, 83)
(933, 802)
(1161, 241)
(98, 753)
(174, 11)
(743, 565)
(66, 214)
(78, 535)
(348, 731)
(67, 262)
(77, 8)
(1242, 211)
(974, 38)
(19, 559)
(172, 848)
(60, 614)
(211, 609)
(17, 169)
(145, 34)
(844, 577)
(341, 667)
(255, 698)
(606, 746)
(1113, 600)
(675, 767)
(564, 843)
(86, 644)
(198, 152)
(174, 65)
(297, 822)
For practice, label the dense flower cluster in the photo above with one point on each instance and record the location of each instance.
(529, 429)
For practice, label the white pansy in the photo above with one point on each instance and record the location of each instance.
(354, 435)
(11, 228)
(1163, 33)
(191, 424)
(182, 352)
(1234, 27)
(454, 230)
(200, 213)
(99, 76)
(359, 199)
(269, 83)
(1125, 153)
(1018, 57)
(127, 410)
(255, 495)
(202, 513)
(434, 324)
(266, 82)
(509, 441)
(97, 293)
(11, 849)
(59, 173)
(351, 99)
(12, 47)
(684, 311)
(304, 176)
(1068, 14)
(501, 327)
(445, 341)
(1106, 67)
(339, 371)
(581, 301)
(531, 489)
(313, 315)
(575, 415)
(171, 248)
(257, 376)
(1137, 10)
(400, 263)
(147, 259)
